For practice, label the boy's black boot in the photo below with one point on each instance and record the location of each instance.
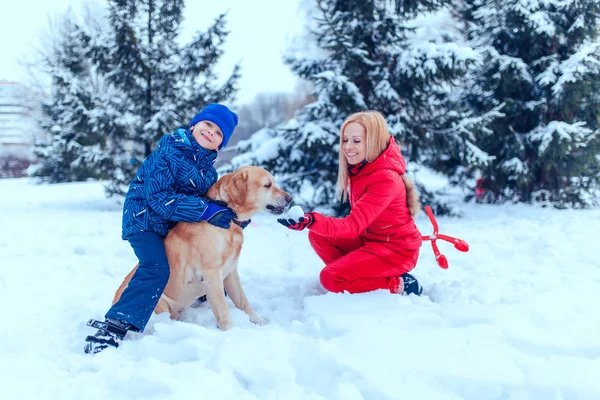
(109, 333)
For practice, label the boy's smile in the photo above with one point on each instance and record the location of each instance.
(208, 135)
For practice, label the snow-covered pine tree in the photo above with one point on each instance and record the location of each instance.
(542, 60)
(119, 83)
(162, 84)
(68, 156)
(368, 54)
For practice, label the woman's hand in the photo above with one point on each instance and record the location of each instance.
(303, 222)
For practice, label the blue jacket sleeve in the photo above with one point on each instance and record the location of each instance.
(164, 200)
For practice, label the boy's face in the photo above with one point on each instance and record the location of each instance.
(208, 135)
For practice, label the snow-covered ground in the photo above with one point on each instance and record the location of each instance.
(515, 318)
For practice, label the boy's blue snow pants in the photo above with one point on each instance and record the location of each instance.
(147, 284)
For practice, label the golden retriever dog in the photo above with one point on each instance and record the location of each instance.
(203, 258)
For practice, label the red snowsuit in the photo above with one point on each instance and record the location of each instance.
(378, 239)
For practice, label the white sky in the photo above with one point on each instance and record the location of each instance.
(260, 32)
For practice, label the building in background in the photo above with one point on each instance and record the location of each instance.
(19, 111)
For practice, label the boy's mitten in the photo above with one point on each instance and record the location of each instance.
(218, 215)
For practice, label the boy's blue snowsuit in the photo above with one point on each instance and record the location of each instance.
(167, 189)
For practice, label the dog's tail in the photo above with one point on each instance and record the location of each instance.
(412, 196)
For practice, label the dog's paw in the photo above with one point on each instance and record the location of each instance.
(224, 325)
(255, 319)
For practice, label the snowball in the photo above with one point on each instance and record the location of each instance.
(295, 213)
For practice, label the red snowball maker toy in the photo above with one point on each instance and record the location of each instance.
(459, 244)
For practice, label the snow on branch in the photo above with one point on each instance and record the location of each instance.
(266, 151)
(505, 62)
(478, 156)
(467, 123)
(295, 176)
(586, 61)
(384, 90)
(433, 44)
(575, 133)
(329, 81)
(540, 21)
(515, 165)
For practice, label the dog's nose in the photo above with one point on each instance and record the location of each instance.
(288, 198)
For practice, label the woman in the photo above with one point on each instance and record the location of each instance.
(378, 242)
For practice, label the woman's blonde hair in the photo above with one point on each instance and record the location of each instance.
(378, 139)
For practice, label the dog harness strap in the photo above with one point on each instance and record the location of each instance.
(238, 223)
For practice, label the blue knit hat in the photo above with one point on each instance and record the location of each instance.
(225, 119)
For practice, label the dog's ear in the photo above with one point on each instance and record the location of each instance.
(236, 188)
(216, 191)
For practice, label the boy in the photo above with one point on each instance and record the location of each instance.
(168, 188)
